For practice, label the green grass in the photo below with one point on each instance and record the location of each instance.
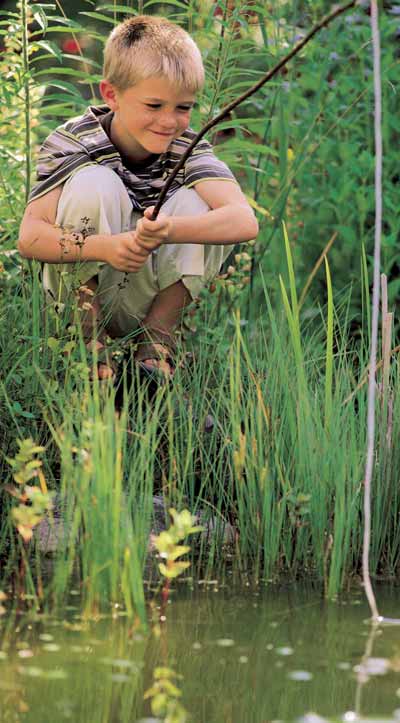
(283, 461)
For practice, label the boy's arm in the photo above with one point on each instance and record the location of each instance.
(40, 239)
(230, 220)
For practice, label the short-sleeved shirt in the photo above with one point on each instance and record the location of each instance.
(83, 141)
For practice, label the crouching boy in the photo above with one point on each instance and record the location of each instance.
(99, 176)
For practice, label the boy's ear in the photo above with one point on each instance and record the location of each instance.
(109, 94)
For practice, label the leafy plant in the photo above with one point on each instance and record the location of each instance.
(34, 501)
(165, 696)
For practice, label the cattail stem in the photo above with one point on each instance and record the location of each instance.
(375, 312)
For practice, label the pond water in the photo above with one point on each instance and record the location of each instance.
(251, 656)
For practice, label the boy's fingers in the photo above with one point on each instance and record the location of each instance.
(148, 212)
(148, 245)
(153, 226)
(137, 249)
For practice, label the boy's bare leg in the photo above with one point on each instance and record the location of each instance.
(165, 314)
(90, 317)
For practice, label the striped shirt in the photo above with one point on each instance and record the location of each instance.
(83, 141)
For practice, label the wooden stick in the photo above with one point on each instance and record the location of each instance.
(253, 89)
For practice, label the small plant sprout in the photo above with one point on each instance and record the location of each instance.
(167, 541)
(169, 549)
(164, 695)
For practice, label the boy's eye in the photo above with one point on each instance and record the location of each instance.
(183, 108)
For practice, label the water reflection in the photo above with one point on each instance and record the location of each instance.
(258, 656)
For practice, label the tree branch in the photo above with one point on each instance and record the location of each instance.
(253, 89)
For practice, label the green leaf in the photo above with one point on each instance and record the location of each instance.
(173, 571)
(78, 74)
(164, 541)
(164, 672)
(40, 16)
(98, 16)
(177, 3)
(178, 551)
(53, 343)
(51, 48)
(83, 59)
(21, 412)
(63, 85)
(118, 9)
(69, 346)
(57, 29)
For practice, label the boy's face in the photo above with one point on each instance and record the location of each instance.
(148, 116)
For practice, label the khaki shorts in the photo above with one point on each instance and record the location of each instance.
(94, 200)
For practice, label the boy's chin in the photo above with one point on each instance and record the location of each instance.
(158, 147)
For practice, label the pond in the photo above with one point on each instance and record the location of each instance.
(253, 655)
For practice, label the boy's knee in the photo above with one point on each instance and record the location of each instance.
(185, 202)
(89, 190)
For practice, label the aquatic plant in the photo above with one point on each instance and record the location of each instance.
(166, 543)
(165, 696)
(169, 549)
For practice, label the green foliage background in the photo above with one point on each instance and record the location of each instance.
(303, 146)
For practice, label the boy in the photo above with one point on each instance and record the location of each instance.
(99, 177)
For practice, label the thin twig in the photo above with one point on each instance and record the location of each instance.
(253, 89)
(27, 95)
(77, 43)
(315, 269)
(375, 312)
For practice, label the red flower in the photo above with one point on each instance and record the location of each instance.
(70, 46)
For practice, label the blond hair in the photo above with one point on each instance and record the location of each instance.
(147, 46)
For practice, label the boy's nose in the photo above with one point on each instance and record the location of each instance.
(167, 122)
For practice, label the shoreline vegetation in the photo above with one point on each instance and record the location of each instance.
(265, 429)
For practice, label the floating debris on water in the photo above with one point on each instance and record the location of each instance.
(51, 647)
(285, 650)
(303, 675)
(25, 653)
(35, 672)
(225, 642)
(373, 666)
(31, 670)
(120, 678)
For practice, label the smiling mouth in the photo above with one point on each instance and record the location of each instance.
(164, 135)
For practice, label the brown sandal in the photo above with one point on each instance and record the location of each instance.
(103, 357)
(158, 345)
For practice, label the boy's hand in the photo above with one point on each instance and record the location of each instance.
(124, 253)
(151, 234)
